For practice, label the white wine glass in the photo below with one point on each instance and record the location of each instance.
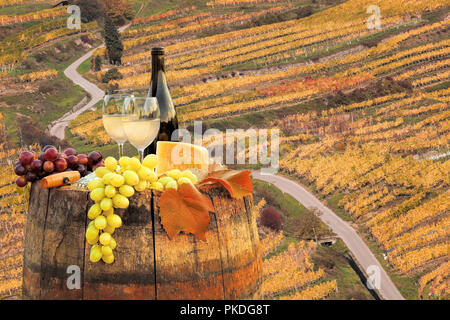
(141, 122)
(112, 118)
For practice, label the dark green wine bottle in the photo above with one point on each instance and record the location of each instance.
(160, 90)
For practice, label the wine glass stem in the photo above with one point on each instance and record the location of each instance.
(120, 150)
(141, 155)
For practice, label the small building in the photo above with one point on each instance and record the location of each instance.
(328, 241)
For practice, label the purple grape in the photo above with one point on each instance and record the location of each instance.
(21, 182)
(31, 176)
(20, 170)
(81, 169)
(36, 166)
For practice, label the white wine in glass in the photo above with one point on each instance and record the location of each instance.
(141, 122)
(140, 131)
(112, 119)
(113, 126)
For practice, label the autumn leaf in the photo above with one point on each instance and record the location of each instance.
(238, 183)
(185, 210)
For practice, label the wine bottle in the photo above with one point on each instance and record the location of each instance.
(160, 90)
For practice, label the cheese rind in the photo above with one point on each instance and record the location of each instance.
(182, 156)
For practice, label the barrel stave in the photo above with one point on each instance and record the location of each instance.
(34, 235)
(238, 246)
(132, 275)
(191, 269)
(64, 242)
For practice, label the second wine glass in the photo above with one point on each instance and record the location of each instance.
(141, 122)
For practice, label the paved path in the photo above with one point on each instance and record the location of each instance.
(351, 238)
(58, 127)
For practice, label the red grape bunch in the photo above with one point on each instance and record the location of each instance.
(32, 167)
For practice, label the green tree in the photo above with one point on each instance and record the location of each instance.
(90, 9)
(112, 74)
(114, 46)
(97, 63)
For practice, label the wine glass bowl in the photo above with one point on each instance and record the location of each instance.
(141, 121)
(112, 118)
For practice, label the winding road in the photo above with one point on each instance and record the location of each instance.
(357, 246)
(58, 127)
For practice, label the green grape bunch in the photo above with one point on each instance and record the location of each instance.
(116, 182)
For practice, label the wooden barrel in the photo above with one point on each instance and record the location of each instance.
(148, 265)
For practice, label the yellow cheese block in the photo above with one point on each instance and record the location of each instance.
(182, 156)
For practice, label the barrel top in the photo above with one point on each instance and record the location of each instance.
(82, 186)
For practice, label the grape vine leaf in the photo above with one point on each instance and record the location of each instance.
(238, 183)
(185, 209)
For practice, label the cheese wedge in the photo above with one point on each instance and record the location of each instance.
(182, 156)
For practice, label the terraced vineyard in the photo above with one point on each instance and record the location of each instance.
(230, 74)
(292, 269)
(12, 222)
(374, 158)
(49, 27)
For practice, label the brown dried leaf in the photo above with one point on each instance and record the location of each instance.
(185, 210)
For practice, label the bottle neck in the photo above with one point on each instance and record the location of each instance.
(157, 67)
(158, 63)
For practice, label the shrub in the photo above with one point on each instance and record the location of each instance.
(30, 64)
(270, 218)
(382, 87)
(41, 56)
(113, 88)
(46, 87)
(405, 84)
(87, 39)
(303, 12)
(306, 227)
(370, 42)
(112, 74)
(50, 86)
(31, 132)
(61, 47)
